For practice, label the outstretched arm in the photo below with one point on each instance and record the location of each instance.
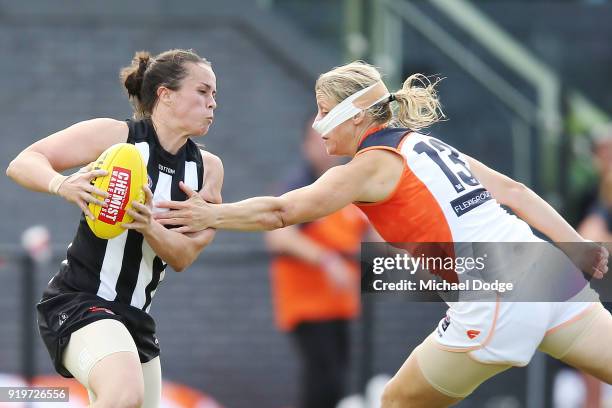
(326, 195)
(369, 177)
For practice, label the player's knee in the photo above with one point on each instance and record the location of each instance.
(124, 398)
(129, 395)
(131, 399)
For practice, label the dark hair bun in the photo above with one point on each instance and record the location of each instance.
(133, 75)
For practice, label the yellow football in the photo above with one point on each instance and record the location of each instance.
(127, 174)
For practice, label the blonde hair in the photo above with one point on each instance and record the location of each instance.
(417, 101)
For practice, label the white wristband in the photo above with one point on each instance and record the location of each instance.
(56, 182)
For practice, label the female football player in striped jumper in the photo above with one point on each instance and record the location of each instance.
(94, 315)
(416, 188)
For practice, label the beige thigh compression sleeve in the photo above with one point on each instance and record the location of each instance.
(91, 343)
(102, 338)
(559, 340)
(151, 371)
(454, 374)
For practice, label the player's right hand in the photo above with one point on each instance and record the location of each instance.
(78, 189)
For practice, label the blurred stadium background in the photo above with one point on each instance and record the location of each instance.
(526, 84)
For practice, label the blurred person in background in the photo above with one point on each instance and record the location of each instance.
(406, 182)
(94, 315)
(315, 283)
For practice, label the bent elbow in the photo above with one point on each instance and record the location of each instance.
(176, 265)
(179, 266)
(10, 170)
(190, 252)
(185, 260)
(18, 167)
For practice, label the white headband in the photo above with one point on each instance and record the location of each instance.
(351, 106)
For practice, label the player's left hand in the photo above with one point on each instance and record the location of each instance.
(597, 257)
(191, 215)
(141, 213)
(590, 257)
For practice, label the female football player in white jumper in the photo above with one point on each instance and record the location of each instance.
(415, 188)
(93, 316)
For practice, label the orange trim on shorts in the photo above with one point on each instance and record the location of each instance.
(487, 340)
(574, 319)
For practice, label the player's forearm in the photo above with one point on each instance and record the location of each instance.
(174, 248)
(31, 170)
(542, 216)
(253, 214)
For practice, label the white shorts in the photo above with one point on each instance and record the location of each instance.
(504, 332)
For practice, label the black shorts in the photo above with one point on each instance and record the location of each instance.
(60, 313)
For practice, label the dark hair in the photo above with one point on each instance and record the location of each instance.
(146, 73)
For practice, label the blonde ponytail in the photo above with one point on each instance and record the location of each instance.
(418, 104)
